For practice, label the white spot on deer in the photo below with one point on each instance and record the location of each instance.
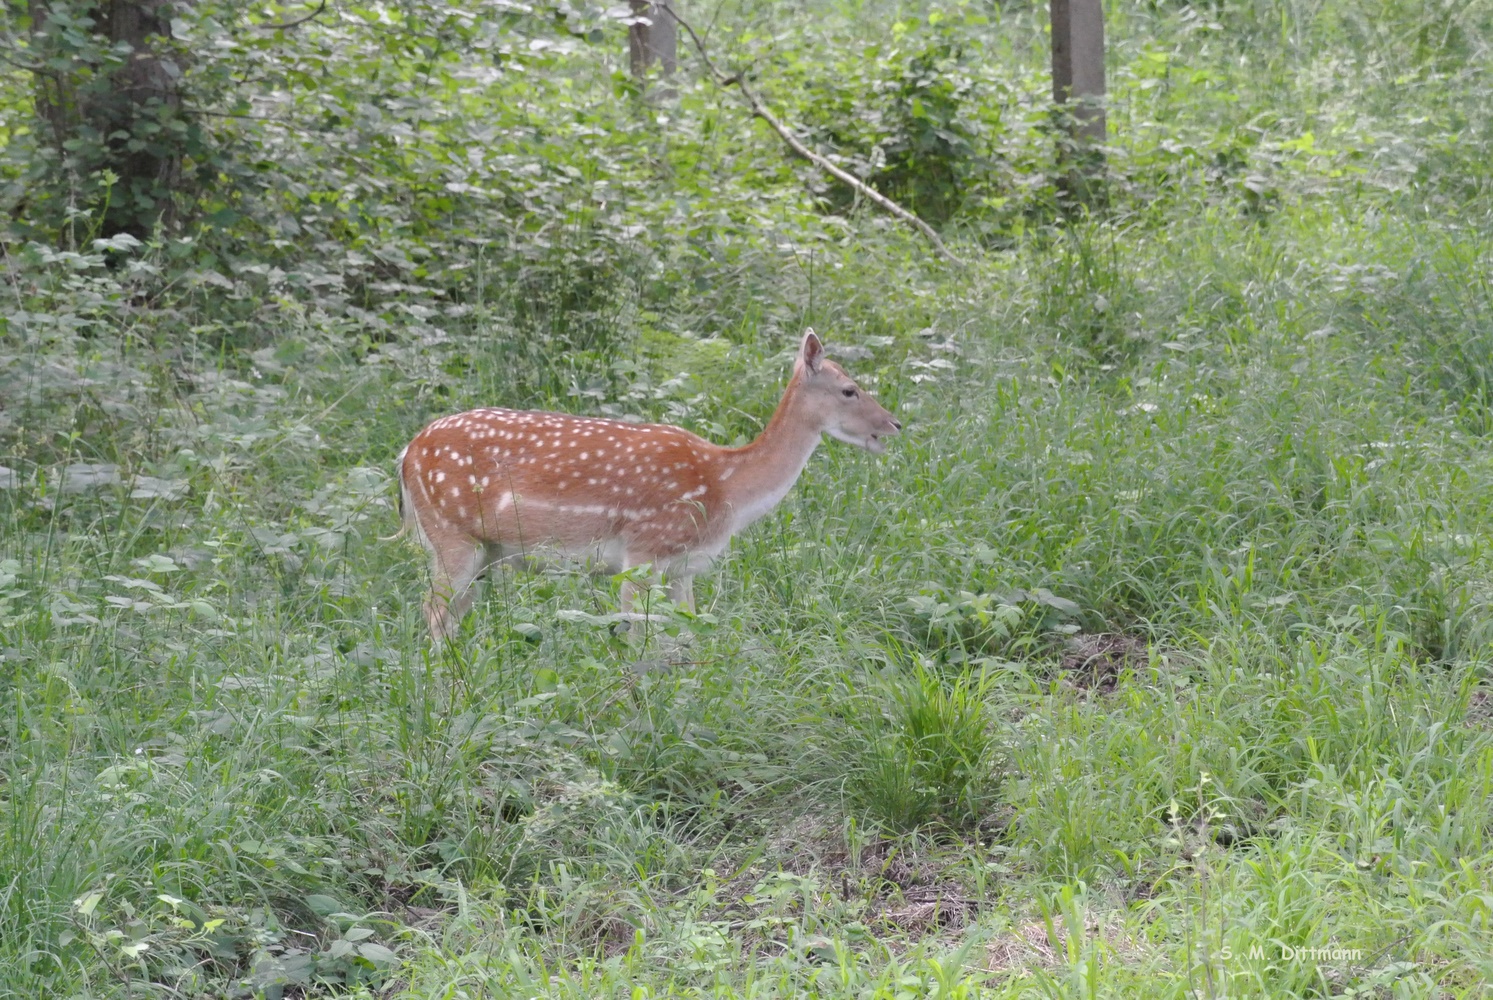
(440, 477)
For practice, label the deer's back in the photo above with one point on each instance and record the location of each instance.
(523, 478)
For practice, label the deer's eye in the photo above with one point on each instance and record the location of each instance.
(849, 393)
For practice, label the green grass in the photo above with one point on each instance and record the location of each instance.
(228, 699)
(1247, 433)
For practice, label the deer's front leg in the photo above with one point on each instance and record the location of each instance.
(682, 592)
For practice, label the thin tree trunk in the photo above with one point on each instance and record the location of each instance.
(1078, 83)
(54, 103)
(1078, 63)
(654, 42)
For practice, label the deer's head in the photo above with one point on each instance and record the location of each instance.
(843, 409)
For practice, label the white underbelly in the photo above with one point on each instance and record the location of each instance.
(604, 556)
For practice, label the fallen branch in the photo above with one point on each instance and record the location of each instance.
(760, 110)
(18, 63)
(293, 24)
(285, 123)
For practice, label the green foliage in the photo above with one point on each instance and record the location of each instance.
(913, 117)
(176, 942)
(109, 147)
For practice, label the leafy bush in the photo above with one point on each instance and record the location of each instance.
(910, 118)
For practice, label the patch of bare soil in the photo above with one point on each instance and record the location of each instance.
(910, 893)
(1095, 660)
(888, 885)
(1024, 947)
(1033, 946)
(1480, 708)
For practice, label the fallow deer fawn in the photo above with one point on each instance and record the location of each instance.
(491, 483)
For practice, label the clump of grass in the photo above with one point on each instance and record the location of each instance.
(926, 753)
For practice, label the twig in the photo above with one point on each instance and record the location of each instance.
(759, 109)
(30, 67)
(258, 118)
(293, 24)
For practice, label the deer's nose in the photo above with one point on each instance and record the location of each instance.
(897, 424)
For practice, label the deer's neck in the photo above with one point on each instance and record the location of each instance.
(761, 473)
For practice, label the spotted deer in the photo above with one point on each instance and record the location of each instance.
(492, 483)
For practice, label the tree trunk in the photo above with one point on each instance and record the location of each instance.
(1078, 82)
(1078, 63)
(116, 113)
(655, 42)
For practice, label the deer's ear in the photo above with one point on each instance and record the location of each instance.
(811, 354)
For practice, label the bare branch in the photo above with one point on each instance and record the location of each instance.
(17, 60)
(293, 24)
(259, 118)
(760, 110)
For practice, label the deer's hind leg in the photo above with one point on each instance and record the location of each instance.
(456, 560)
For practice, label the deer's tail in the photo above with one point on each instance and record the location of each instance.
(406, 509)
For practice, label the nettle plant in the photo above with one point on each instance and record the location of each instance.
(142, 116)
(185, 945)
(965, 625)
(912, 116)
